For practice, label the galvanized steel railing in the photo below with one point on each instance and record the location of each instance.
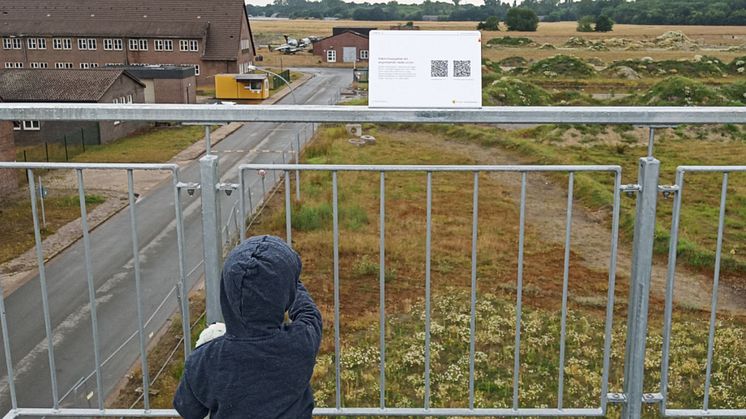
(647, 189)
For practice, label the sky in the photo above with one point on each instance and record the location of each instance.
(477, 2)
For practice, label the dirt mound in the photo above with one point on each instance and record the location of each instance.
(675, 40)
(577, 42)
(509, 41)
(738, 66)
(547, 46)
(681, 91)
(701, 66)
(622, 72)
(514, 61)
(562, 66)
(509, 91)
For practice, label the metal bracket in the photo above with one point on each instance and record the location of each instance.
(189, 186)
(667, 190)
(616, 398)
(228, 188)
(652, 397)
(630, 189)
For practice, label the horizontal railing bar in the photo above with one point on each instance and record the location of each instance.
(84, 166)
(353, 411)
(433, 168)
(722, 413)
(711, 169)
(663, 115)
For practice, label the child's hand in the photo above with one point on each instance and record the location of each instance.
(211, 332)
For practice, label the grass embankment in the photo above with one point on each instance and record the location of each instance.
(157, 145)
(16, 221)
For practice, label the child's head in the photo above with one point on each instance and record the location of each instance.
(258, 285)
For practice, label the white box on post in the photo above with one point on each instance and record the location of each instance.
(425, 69)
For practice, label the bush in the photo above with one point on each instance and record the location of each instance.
(735, 91)
(681, 91)
(604, 24)
(491, 24)
(562, 66)
(509, 41)
(520, 19)
(509, 91)
(585, 24)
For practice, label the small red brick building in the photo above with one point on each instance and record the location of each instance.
(346, 45)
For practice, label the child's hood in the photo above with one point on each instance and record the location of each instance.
(258, 286)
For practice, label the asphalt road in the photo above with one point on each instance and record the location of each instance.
(113, 275)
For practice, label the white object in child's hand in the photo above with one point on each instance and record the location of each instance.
(211, 332)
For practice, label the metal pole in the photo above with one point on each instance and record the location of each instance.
(212, 246)
(639, 292)
(297, 172)
(41, 201)
(207, 139)
(64, 140)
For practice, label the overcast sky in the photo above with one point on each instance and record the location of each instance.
(478, 2)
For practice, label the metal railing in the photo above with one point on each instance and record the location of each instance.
(214, 226)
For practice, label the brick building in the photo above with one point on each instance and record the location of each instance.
(165, 83)
(8, 179)
(76, 86)
(212, 36)
(346, 45)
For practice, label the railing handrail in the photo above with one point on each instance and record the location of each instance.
(433, 168)
(642, 115)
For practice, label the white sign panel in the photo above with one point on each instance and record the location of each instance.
(425, 69)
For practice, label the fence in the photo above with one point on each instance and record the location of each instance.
(254, 176)
(64, 149)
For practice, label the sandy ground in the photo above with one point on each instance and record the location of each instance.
(546, 209)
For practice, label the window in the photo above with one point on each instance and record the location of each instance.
(62, 43)
(42, 43)
(331, 56)
(16, 125)
(39, 65)
(363, 54)
(113, 44)
(183, 45)
(163, 45)
(129, 98)
(196, 69)
(88, 65)
(138, 45)
(13, 65)
(31, 125)
(87, 44)
(63, 65)
(31, 43)
(12, 43)
(36, 43)
(193, 46)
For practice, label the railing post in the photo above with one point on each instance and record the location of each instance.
(639, 289)
(212, 245)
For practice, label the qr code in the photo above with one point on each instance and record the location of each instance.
(439, 68)
(461, 68)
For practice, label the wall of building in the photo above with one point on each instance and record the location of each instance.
(74, 132)
(175, 90)
(111, 130)
(338, 42)
(8, 179)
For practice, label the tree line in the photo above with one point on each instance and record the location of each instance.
(658, 12)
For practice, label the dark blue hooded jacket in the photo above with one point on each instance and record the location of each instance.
(260, 368)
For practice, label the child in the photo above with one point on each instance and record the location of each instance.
(262, 366)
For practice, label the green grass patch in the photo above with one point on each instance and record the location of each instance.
(157, 145)
(510, 41)
(562, 66)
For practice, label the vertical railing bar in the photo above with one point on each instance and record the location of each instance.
(288, 210)
(337, 350)
(716, 281)
(382, 287)
(428, 240)
(6, 347)
(565, 283)
(519, 293)
(138, 289)
(242, 204)
(182, 291)
(610, 293)
(251, 201)
(44, 291)
(297, 161)
(668, 310)
(473, 296)
(91, 288)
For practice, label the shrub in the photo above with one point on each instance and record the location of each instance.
(585, 24)
(520, 19)
(562, 66)
(735, 91)
(604, 24)
(681, 91)
(509, 91)
(509, 41)
(491, 24)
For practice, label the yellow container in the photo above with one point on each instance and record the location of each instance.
(241, 86)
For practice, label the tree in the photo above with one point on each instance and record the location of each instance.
(604, 24)
(491, 24)
(520, 19)
(585, 24)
